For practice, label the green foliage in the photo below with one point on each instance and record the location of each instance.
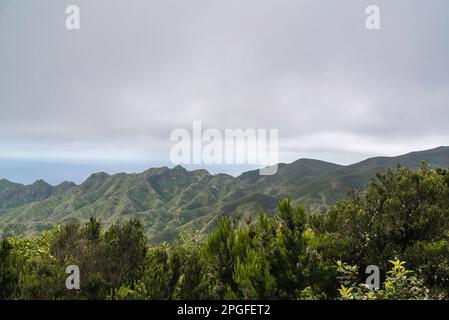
(400, 284)
(403, 216)
(126, 293)
(191, 270)
(42, 279)
(253, 278)
(8, 272)
(227, 245)
(123, 250)
(289, 250)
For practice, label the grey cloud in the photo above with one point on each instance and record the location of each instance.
(137, 70)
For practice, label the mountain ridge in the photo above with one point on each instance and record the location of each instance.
(169, 200)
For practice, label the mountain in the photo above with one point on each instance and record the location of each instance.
(333, 186)
(168, 200)
(15, 194)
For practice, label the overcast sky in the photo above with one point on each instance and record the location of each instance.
(108, 95)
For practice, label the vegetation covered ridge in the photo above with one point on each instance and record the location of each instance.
(168, 201)
(400, 224)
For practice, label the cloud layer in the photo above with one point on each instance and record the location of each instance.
(136, 70)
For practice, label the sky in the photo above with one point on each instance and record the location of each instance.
(107, 96)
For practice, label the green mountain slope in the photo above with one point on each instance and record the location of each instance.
(328, 189)
(15, 194)
(170, 200)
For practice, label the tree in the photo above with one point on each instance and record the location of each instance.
(8, 272)
(123, 252)
(223, 248)
(253, 277)
(190, 283)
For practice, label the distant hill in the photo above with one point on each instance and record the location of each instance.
(170, 200)
(14, 194)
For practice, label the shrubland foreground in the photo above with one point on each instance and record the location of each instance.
(400, 224)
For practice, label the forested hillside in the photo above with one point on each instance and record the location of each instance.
(168, 201)
(401, 225)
